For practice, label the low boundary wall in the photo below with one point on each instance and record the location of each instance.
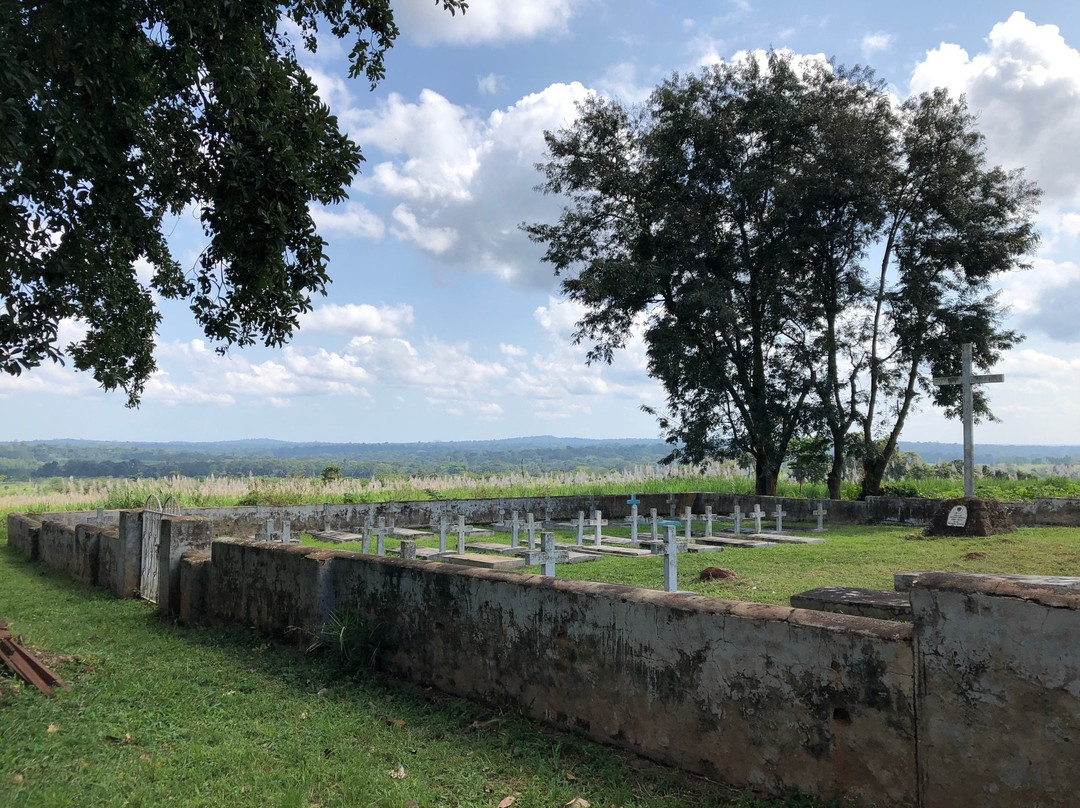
(976, 702)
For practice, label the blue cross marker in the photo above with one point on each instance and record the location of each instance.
(633, 500)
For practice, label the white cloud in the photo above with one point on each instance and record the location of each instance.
(353, 219)
(513, 351)
(360, 318)
(439, 139)
(467, 182)
(485, 21)
(875, 43)
(490, 84)
(1026, 91)
(449, 376)
(435, 240)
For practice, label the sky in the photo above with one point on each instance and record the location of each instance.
(442, 323)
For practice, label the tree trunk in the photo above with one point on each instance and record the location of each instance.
(765, 477)
(836, 474)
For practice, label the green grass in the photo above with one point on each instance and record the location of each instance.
(160, 715)
(856, 556)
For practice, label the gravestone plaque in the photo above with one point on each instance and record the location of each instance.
(957, 516)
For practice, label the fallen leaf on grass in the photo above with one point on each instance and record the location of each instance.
(398, 773)
(396, 722)
(412, 804)
(507, 802)
(145, 758)
(578, 802)
(52, 728)
(16, 778)
(570, 777)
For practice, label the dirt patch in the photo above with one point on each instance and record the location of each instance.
(969, 516)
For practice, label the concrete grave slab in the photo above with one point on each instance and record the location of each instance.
(694, 547)
(484, 561)
(409, 533)
(337, 536)
(627, 552)
(731, 541)
(490, 547)
(875, 603)
(783, 538)
(575, 556)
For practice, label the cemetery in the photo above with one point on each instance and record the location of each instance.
(909, 697)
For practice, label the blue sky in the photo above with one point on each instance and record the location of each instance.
(442, 324)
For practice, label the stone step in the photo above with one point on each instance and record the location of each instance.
(876, 603)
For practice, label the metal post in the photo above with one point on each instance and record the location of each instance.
(969, 423)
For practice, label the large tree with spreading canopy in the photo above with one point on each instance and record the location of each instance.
(117, 115)
(732, 217)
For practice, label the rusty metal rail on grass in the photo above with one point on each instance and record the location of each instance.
(25, 666)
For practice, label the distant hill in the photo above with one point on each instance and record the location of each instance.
(265, 457)
(993, 453)
(21, 460)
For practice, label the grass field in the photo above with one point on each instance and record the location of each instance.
(855, 556)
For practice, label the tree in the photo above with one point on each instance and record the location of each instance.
(118, 115)
(953, 225)
(693, 215)
(730, 219)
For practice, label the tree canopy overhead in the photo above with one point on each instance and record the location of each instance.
(115, 116)
(734, 216)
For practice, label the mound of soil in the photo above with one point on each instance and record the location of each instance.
(716, 574)
(985, 517)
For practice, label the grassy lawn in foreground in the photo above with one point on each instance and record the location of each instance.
(857, 556)
(160, 715)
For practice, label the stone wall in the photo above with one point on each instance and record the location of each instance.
(999, 670)
(754, 695)
(977, 702)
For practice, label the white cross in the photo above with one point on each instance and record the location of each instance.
(708, 521)
(461, 534)
(548, 555)
(736, 517)
(779, 513)
(530, 529)
(380, 537)
(757, 515)
(652, 518)
(688, 518)
(669, 549)
(442, 534)
(820, 513)
(966, 380)
(514, 530)
(597, 523)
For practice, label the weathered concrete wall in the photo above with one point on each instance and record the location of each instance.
(57, 545)
(759, 695)
(194, 581)
(24, 534)
(130, 552)
(86, 553)
(179, 534)
(999, 708)
(272, 591)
